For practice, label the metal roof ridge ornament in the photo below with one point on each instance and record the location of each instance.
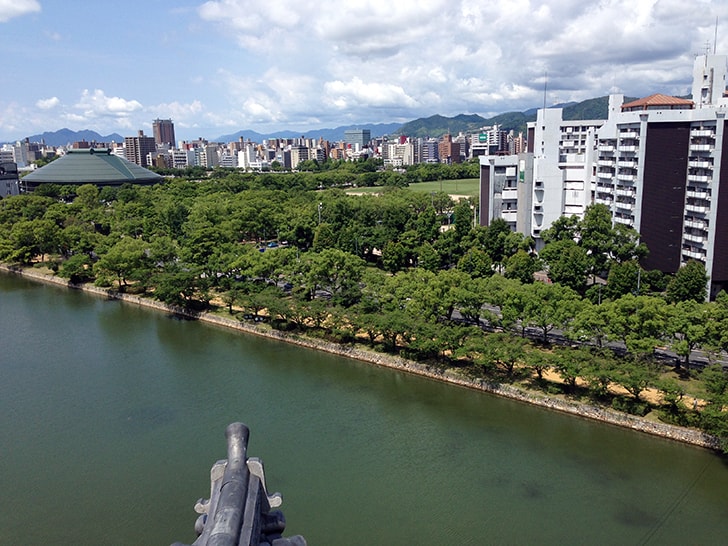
(240, 512)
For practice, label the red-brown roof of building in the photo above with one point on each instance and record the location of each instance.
(658, 101)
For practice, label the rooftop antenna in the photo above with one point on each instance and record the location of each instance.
(545, 81)
(715, 41)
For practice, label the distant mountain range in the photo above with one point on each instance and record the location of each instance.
(63, 137)
(333, 135)
(433, 126)
(436, 126)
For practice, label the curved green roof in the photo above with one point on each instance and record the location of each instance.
(91, 166)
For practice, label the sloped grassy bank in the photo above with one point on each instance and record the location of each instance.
(455, 377)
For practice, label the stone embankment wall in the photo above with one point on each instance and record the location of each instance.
(605, 415)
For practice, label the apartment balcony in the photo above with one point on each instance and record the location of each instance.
(625, 192)
(629, 134)
(700, 164)
(697, 193)
(604, 199)
(695, 238)
(696, 224)
(709, 133)
(698, 209)
(509, 193)
(628, 148)
(509, 215)
(701, 147)
(623, 220)
(573, 210)
(626, 177)
(694, 254)
(699, 178)
(629, 163)
(606, 148)
(605, 162)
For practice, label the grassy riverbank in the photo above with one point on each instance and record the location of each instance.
(454, 376)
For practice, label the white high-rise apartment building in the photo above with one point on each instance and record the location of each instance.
(658, 164)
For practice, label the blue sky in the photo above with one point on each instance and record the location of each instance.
(220, 66)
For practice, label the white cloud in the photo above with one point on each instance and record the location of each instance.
(97, 104)
(48, 104)
(254, 64)
(356, 93)
(177, 110)
(16, 8)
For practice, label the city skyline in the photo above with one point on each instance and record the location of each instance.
(221, 66)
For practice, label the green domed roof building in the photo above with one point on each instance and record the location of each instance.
(90, 166)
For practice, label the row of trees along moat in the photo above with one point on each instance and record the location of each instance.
(380, 269)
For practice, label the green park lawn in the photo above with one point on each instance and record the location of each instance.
(466, 186)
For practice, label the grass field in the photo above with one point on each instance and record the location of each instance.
(467, 186)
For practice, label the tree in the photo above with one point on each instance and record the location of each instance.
(494, 240)
(548, 306)
(77, 269)
(640, 322)
(596, 235)
(635, 376)
(590, 323)
(476, 263)
(600, 371)
(505, 351)
(522, 266)
(567, 263)
(463, 219)
(126, 260)
(564, 228)
(394, 256)
(469, 300)
(178, 284)
(336, 272)
(427, 257)
(625, 244)
(28, 239)
(514, 305)
(539, 361)
(427, 225)
(688, 325)
(690, 283)
(571, 364)
(623, 279)
(718, 323)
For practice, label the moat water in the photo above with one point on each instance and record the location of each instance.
(111, 416)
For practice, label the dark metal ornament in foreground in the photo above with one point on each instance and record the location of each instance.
(240, 511)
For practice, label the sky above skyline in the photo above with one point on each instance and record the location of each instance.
(216, 67)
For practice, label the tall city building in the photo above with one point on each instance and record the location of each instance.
(136, 148)
(164, 132)
(9, 181)
(357, 138)
(448, 150)
(659, 163)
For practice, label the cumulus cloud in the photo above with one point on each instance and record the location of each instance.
(16, 8)
(96, 104)
(48, 104)
(355, 92)
(454, 55)
(257, 64)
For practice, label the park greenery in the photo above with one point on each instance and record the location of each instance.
(404, 272)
